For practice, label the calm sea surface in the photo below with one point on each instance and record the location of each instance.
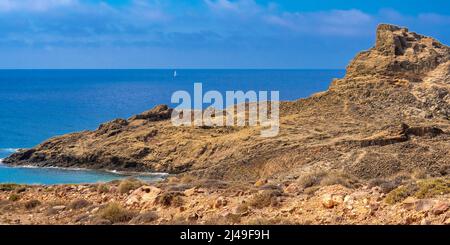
(38, 104)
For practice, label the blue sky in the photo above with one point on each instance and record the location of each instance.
(203, 33)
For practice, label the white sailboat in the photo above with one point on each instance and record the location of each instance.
(175, 73)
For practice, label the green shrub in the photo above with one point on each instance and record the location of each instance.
(433, 187)
(421, 189)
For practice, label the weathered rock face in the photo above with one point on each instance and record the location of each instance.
(159, 113)
(355, 126)
(400, 53)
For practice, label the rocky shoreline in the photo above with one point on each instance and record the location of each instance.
(372, 149)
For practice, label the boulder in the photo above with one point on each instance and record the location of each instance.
(440, 208)
(143, 195)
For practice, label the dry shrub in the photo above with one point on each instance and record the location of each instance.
(79, 204)
(265, 199)
(128, 185)
(170, 199)
(32, 204)
(322, 178)
(14, 197)
(311, 179)
(145, 218)
(389, 184)
(420, 174)
(116, 214)
(265, 221)
(102, 188)
(339, 178)
(8, 187)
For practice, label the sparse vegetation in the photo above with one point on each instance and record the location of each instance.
(79, 204)
(322, 178)
(32, 204)
(8, 187)
(14, 197)
(401, 193)
(311, 179)
(420, 189)
(128, 185)
(339, 178)
(102, 188)
(145, 218)
(115, 213)
(433, 187)
(265, 199)
(420, 174)
(170, 199)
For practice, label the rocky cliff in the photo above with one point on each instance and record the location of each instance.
(390, 114)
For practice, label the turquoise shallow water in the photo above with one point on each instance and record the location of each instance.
(38, 104)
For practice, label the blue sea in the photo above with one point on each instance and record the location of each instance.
(38, 104)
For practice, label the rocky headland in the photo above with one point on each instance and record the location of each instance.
(373, 148)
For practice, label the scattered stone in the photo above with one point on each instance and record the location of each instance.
(261, 182)
(327, 201)
(440, 208)
(220, 202)
(292, 188)
(144, 194)
(424, 205)
(190, 192)
(59, 207)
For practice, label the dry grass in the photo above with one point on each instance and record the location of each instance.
(128, 185)
(311, 179)
(265, 199)
(79, 204)
(32, 204)
(102, 188)
(116, 213)
(14, 197)
(323, 178)
(145, 218)
(339, 178)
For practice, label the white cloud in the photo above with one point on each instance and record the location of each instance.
(243, 8)
(333, 22)
(33, 5)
